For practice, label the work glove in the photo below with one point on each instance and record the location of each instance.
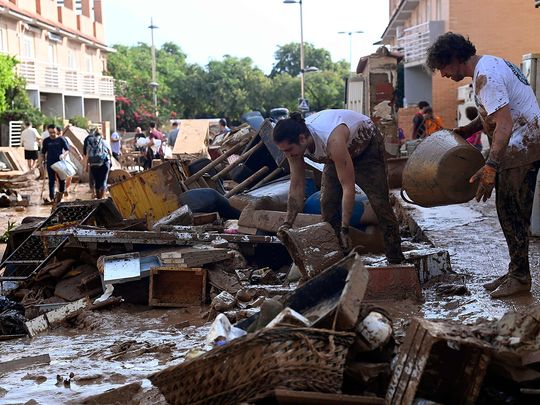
(486, 175)
(344, 238)
(461, 132)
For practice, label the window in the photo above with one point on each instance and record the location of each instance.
(72, 59)
(28, 47)
(3, 47)
(89, 67)
(51, 49)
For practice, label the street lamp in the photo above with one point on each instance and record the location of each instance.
(349, 33)
(302, 71)
(154, 85)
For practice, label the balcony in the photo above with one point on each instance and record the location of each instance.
(416, 40)
(49, 78)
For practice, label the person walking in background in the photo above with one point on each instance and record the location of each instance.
(509, 114)
(116, 142)
(53, 147)
(475, 139)
(223, 128)
(418, 128)
(171, 136)
(30, 139)
(432, 122)
(155, 144)
(98, 158)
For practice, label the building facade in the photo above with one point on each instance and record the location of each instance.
(505, 28)
(62, 55)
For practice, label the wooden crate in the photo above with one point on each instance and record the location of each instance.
(172, 286)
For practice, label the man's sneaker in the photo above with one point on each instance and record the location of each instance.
(492, 285)
(511, 286)
(46, 201)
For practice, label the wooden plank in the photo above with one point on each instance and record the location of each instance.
(270, 221)
(283, 396)
(192, 137)
(24, 362)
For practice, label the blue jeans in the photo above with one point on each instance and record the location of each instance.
(52, 179)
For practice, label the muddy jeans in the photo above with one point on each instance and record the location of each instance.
(370, 175)
(514, 201)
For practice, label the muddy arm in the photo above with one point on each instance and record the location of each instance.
(295, 202)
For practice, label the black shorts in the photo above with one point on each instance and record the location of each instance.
(30, 154)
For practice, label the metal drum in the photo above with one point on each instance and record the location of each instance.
(439, 169)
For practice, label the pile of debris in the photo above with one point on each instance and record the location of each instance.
(294, 318)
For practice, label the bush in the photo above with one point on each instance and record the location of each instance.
(56, 121)
(79, 121)
(33, 115)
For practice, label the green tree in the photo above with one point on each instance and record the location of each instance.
(288, 59)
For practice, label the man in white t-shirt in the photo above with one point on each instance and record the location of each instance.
(30, 139)
(116, 142)
(352, 149)
(509, 114)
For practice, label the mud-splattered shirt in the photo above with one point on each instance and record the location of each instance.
(497, 83)
(322, 124)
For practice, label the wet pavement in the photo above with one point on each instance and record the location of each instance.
(478, 252)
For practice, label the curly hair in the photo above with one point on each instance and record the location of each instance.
(290, 129)
(447, 48)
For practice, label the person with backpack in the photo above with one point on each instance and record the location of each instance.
(98, 158)
(432, 122)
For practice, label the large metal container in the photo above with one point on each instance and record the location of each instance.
(438, 171)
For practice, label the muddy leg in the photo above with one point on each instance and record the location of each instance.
(331, 196)
(514, 198)
(370, 173)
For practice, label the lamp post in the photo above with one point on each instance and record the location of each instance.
(302, 70)
(350, 33)
(153, 84)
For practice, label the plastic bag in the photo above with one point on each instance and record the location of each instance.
(64, 168)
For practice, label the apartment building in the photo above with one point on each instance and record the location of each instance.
(506, 28)
(61, 48)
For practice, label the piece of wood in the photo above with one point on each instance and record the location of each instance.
(195, 176)
(51, 318)
(270, 221)
(247, 182)
(171, 286)
(286, 397)
(192, 137)
(24, 362)
(205, 218)
(242, 157)
(352, 296)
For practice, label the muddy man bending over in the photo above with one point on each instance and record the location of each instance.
(509, 114)
(352, 149)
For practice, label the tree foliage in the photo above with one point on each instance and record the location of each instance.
(223, 88)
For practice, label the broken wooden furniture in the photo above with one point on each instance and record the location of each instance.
(37, 249)
(440, 362)
(254, 365)
(260, 159)
(313, 248)
(175, 286)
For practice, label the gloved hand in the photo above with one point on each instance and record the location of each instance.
(283, 228)
(486, 175)
(461, 132)
(344, 238)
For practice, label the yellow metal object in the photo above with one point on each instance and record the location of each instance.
(151, 194)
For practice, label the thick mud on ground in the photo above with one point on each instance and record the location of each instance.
(102, 350)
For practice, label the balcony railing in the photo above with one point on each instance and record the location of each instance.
(53, 78)
(416, 40)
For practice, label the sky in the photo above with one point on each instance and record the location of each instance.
(207, 30)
